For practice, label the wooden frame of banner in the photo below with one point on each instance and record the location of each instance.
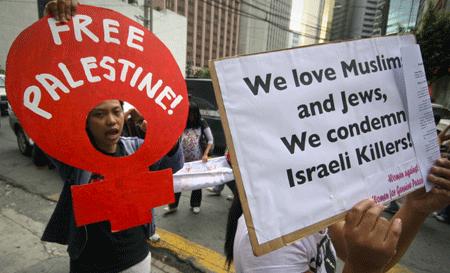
(258, 249)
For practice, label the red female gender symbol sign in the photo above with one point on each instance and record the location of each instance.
(57, 73)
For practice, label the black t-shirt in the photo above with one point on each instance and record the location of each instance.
(109, 252)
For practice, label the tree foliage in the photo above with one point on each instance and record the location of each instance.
(202, 73)
(433, 36)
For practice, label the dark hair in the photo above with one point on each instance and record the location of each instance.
(233, 216)
(194, 112)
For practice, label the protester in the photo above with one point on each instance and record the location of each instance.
(104, 251)
(136, 126)
(443, 138)
(93, 247)
(196, 141)
(365, 241)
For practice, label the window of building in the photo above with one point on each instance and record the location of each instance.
(170, 4)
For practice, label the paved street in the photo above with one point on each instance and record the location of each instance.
(25, 198)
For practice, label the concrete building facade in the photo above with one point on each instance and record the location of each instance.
(358, 19)
(264, 25)
(168, 26)
(402, 15)
(213, 28)
(315, 23)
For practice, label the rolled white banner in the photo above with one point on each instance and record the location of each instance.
(196, 174)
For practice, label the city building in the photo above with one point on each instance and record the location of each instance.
(359, 19)
(314, 23)
(212, 28)
(168, 26)
(402, 15)
(264, 25)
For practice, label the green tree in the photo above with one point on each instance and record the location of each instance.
(202, 73)
(189, 70)
(433, 36)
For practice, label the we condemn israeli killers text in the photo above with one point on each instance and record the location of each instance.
(364, 154)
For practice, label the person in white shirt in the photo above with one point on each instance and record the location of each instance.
(365, 241)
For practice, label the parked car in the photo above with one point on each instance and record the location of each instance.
(3, 99)
(440, 111)
(201, 91)
(443, 123)
(24, 142)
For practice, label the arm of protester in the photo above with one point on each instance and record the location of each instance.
(143, 125)
(443, 136)
(134, 114)
(365, 236)
(127, 114)
(70, 174)
(419, 204)
(368, 241)
(209, 137)
(205, 154)
(174, 159)
(62, 10)
(138, 119)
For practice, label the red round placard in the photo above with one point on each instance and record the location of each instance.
(85, 49)
(58, 72)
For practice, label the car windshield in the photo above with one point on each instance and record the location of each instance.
(202, 103)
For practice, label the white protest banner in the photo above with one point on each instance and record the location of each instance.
(314, 130)
(421, 120)
(197, 175)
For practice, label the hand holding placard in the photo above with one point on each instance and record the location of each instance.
(370, 240)
(62, 10)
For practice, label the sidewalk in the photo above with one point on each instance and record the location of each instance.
(21, 250)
